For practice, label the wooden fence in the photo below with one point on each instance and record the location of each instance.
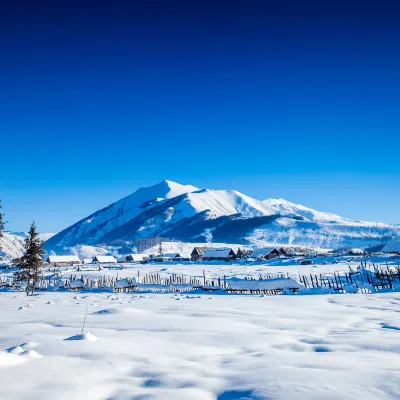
(362, 280)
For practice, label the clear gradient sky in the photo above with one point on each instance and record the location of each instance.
(291, 99)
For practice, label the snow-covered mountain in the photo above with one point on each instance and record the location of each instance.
(12, 244)
(186, 213)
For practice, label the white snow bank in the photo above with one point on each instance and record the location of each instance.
(9, 360)
(268, 284)
(84, 336)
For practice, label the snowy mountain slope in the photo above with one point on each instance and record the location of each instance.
(287, 208)
(186, 213)
(11, 245)
(322, 228)
(95, 226)
(41, 236)
(228, 202)
(325, 235)
(150, 211)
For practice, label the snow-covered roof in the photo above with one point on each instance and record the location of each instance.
(87, 260)
(199, 250)
(124, 283)
(169, 255)
(104, 259)
(392, 247)
(356, 251)
(270, 284)
(137, 257)
(264, 251)
(63, 259)
(245, 249)
(222, 252)
(77, 283)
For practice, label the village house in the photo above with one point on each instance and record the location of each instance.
(104, 260)
(244, 252)
(136, 258)
(266, 253)
(63, 260)
(168, 257)
(219, 254)
(356, 252)
(294, 251)
(197, 253)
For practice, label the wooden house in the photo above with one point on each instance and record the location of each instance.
(104, 260)
(63, 260)
(136, 258)
(266, 253)
(356, 252)
(219, 254)
(197, 253)
(168, 257)
(244, 252)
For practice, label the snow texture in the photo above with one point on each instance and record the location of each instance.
(201, 347)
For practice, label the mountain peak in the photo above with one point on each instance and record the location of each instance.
(175, 187)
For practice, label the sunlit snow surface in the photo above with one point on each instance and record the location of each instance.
(171, 346)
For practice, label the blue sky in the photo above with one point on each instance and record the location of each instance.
(297, 100)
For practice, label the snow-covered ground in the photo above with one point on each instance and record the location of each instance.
(199, 347)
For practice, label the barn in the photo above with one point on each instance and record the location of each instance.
(244, 252)
(197, 253)
(136, 258)
(356, 252)
(168, 257)
(104, 260)
(219, 254)
(266, 253)
(63, 260)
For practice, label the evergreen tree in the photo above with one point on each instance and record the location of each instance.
(2, 223)
(30, 268)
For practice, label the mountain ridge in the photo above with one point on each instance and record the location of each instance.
(185, 212)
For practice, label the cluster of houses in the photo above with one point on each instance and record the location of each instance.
(75, 260)
(228, 254)
(206, 253)
(197, 254)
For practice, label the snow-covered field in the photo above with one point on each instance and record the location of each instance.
(165, 346)
(201, 346)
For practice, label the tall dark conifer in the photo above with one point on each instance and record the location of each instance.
(29, 270)
(2, 224)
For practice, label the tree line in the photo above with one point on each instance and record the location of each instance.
(29, 269)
